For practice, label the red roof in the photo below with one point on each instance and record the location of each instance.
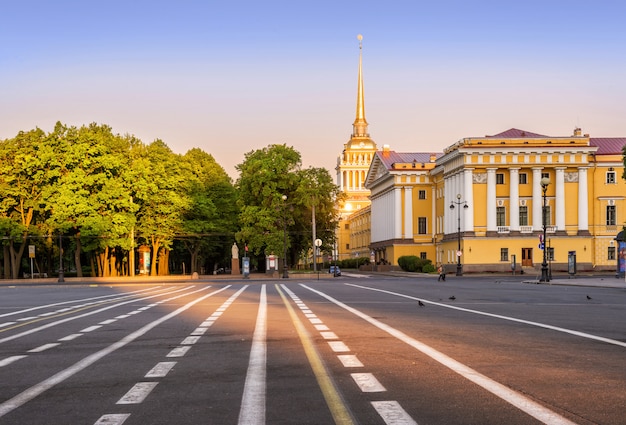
(608, 145)
(389, 158)
(514, 133)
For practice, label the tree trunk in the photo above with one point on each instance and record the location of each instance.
(77, 252)
(155, 251)
(164, 260)
(7, 262)
(16, 258)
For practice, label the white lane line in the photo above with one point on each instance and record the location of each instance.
(69, 337)
(91, 328)
(23, 319)
(2, 325)
(350, 360)
(75, 301)
(44, 347)
(329, 335)
(338, 346)
(190, 340)
(178, 351)
(114, 419)
(137, 393)
(367, 382)
(160, 370)
(322, 328)
(199, 331)
(122, 316)
(253, 401)
(38, 389)
(9, 360)
(498, 316)
(50, 313)
(392, 413)
(514, 398)
(80, 316)
(107, 322)
(315, 321)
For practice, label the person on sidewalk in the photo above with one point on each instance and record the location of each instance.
(442, 274)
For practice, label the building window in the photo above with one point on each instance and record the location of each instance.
(347, 246)
(421, 194)
(550, 254)
(523, 216)
(523, 178)
(610, 254)
(421, 225)
(423, 255)
(545, 175)
(500, 216)
(499, 178)
(504, 254)
(610, 177)
(347, 226)
(610, 215)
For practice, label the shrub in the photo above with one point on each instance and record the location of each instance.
(412, 263)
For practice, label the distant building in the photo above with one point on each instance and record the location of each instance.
(352, 167)
(498, 178)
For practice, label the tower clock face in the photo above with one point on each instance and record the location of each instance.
(362, 144)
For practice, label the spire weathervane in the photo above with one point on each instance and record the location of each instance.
(359, 128)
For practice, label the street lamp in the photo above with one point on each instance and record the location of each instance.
(459, 266)
(61, 276)
(545, 181)
(285, 273)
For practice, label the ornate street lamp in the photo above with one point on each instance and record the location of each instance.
(459, 266)
(545, 181)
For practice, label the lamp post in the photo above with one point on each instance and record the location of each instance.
(458, 202)
(61, 276)
(545, 181)
(285, 273)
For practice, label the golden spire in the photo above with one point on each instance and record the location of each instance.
(359, 128)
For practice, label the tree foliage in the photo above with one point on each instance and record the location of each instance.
(105, 193)
(276, 198)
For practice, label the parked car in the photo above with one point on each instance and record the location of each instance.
(334, 270)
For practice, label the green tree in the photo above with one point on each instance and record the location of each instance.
(274, 193)
(29, 164)
(210, 221)
(162, 201)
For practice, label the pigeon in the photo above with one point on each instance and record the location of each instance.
(452, 298)
(421, 304)
(588, 297)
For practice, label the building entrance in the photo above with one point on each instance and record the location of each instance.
(527, 257)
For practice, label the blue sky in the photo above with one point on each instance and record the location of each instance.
(230, 77)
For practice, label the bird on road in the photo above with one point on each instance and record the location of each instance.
(588, 297)
(452, 298)
(421, 304)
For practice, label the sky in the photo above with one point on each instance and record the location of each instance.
(231, 77)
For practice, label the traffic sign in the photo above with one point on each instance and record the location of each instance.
(459, 253)
(541, 246)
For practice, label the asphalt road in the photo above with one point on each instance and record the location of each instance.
(347, 351)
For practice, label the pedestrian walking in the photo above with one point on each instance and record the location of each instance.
(442, 274)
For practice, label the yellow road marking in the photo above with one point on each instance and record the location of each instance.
(335, 403)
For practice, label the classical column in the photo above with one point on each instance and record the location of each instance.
(397, 231)
(446, 202)
(514, 198)
(408, 212)
(491, 200)
(468, 196)
(537, 200)
(560, 199)
(583, 201)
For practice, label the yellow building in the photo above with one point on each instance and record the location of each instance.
(402, 210)
(480, 204)
(352, 168)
